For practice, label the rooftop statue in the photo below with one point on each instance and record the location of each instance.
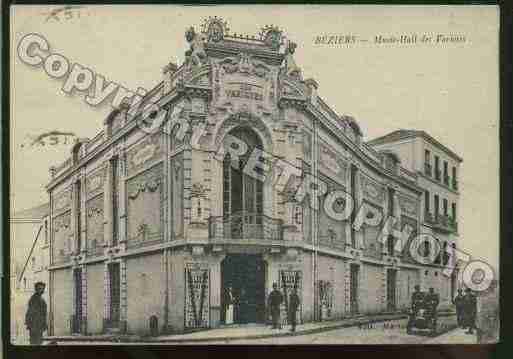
(196, 55)
(291, 69)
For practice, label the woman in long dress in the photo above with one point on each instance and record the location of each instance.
(229, 307)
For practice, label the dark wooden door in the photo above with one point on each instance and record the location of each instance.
(391, 289)
(354, 288)
(114, 275)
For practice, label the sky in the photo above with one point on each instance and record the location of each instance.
(449, 90)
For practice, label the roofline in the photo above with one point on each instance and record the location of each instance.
(418, 133)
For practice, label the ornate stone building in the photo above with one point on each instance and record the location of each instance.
(148, 227)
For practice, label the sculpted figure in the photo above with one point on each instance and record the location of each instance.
(291, 69)
(196, 55)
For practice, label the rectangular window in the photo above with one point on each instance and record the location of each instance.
(354, 169)
(427, 163)
(426, 201)
(390, 202)
(454, 179)
(445, 206)
(454, 211)
(446, 173)
(46, 231)
(436, 205)
(78, 222)
(437, 168)
(114, 196)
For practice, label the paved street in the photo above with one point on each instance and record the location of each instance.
(393, 332)
(389, 332)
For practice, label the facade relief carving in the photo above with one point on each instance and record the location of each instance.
(331, 163)
(145, 205)
(62, 201)
(372, 190)
(94, 221)
(408, 205)
(148, 150)
(94, 183)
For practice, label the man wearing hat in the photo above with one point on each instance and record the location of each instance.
(417, 298)
(35, 319)
(458, 302)
(470, 310)
(274, 301)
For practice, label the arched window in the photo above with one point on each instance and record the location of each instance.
(242, 193)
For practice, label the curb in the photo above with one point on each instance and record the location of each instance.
(138, 339)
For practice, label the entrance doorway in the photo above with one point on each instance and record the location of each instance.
(353, 294)
(391, 289)
(244, 275)
(77, 318)
(114, 308)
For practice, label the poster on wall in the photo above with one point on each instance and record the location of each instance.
(197, 296)
(288, 280)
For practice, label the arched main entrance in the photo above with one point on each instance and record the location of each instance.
(244, 275)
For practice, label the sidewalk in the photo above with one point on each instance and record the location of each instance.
(233, 332)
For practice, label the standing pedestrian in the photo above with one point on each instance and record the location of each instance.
(458, 302)
(293, 306)
(470, 309)
(274, 301)
(35, 318)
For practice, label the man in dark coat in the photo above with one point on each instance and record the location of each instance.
(458, 302)
(35, 319)
(417, 298)
(470, 310)
(274, 301)
(432, 301)
(293, 305)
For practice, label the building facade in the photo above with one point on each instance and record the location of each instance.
(30, 259)
(149, 228)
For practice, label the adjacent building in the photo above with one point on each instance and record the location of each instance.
(149, 229)
(30, 258)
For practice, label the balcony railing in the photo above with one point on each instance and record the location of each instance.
(427, 169)
(455, 184)
(245, 226)
(145, 238)
(441, 222)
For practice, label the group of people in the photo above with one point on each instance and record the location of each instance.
(236, 304)
(466, 306)
(236, 301)
(466, 310)
(274, 302)
(429, 300)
